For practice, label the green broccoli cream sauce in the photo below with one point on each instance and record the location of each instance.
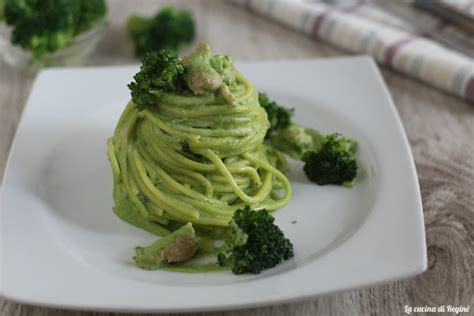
(174, 248)
(197, 268)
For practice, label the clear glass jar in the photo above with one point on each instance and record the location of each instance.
(72, 55)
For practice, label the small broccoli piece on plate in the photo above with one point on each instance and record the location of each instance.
(159, 73)
(333, 162)
(278, 116)
(254, 243)
(179, 246)
(169, 28)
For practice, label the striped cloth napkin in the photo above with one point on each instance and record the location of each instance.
(467, 6)
(361, 27)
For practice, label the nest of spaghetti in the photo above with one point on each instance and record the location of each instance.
(189, 146)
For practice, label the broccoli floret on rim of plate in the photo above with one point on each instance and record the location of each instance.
(169, 28)
(254, 243)
(159, 73)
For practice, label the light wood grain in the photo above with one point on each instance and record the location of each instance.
(440, 129)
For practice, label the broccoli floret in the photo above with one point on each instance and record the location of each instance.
(169, 28)
(295, 140)
(329, 159)
(42, 26)
(47, 26)
(333, 163)
(91, 12)
(254, 243)
(160, 72)
(179, 246)
(278, 116)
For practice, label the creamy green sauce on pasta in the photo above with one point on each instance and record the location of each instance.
(195, 158)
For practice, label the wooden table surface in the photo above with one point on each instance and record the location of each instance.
(440, 129)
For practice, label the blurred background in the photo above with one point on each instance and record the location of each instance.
(431, 41)
(425, 49)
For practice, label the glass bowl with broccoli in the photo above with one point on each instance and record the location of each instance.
(36, 34)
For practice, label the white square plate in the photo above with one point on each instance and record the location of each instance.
(63, 246)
